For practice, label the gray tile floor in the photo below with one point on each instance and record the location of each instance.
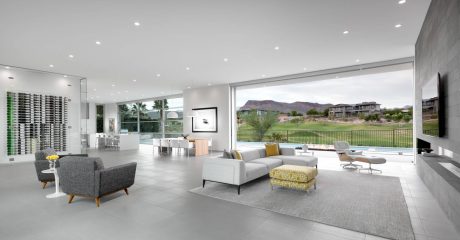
(160, 207)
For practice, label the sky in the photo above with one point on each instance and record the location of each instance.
(390, 89)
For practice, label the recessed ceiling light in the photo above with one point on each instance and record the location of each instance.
(225, 59)
(118, 92)
(134, 80)
(402, 2)
(346, 32)
(263, 75)
(398, 25)
(126, 90)
(7, 67)
(98, 43)
(189, 87)
(187, 68)
(357, 60)
(113, 85)
(71, 56)
(276, 48)
(65, 76)
(137, 24)
(158, 75)
(336, 76)
(51, 65)
(92, 97)
(94, 89)
(305, 69)
(209, 84)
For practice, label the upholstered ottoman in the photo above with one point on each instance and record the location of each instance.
(371, 160)
(295, 177)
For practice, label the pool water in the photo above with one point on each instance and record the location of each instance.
(384, 150)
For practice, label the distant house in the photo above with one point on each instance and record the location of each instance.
(283, 117)
(430, 106)
(353, 110)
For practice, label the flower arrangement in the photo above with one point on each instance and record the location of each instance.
(52, 160)
(52, 157)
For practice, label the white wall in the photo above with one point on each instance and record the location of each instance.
(110, 111)
(41, 83)
(214, 96)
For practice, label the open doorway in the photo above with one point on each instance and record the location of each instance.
(371, 109)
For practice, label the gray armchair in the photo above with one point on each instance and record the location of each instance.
(87, 177)
(42, 164)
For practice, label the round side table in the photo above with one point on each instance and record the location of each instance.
(58, 192)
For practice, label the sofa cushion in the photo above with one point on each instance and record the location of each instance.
(269, 162)
(237, 155)
(227, 154)
(255, 170)
(298, 160)
(250, 155)
(271, 149)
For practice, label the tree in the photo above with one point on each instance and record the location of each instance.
(295, 114)
(312, 111)
(260, 123)
(161, 105)
(326, 112)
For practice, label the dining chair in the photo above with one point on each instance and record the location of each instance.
(185, 144)
(156, 144)
(164, 143)
(174, 143)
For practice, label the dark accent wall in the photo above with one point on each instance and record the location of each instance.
(438, 50)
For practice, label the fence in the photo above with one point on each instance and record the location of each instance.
(378, 138)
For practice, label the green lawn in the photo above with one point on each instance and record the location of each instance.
(325, 132)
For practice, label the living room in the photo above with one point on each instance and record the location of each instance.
(193, 120)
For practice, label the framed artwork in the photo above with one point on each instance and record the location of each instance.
(111, 124)
(204, 119)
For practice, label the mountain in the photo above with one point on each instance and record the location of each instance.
(270, 105)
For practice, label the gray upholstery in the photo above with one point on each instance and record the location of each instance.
(87, 176)
(42, 164)
(250, 155)
(255, 170)
(310, 161)
(269, 162)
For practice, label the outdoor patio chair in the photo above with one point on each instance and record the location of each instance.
(342, 148)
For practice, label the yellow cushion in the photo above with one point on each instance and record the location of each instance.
(237, 155)
(294, 173)
(271, 149)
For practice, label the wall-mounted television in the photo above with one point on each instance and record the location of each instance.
(433, 107)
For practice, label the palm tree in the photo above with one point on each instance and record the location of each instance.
(260, 123)
(141, 108)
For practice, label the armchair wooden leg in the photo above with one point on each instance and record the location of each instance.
(126, 191)
(71, 198)
(98, 201)
(44, 184)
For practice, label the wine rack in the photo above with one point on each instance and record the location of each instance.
(36, 122)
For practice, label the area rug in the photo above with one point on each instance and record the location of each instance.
(370, 204)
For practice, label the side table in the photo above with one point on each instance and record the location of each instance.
(58, 192)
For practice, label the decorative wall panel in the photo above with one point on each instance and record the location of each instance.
(36, 122)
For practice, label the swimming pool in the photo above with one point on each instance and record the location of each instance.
(383, 150)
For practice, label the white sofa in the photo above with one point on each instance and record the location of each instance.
(255, 164)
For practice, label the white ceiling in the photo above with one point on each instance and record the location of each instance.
(199, 34)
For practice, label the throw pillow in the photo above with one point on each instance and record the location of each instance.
(227, 154)
(272, 149)
(237, 155)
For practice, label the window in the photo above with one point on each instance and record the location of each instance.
(153, 119)
(99, 118)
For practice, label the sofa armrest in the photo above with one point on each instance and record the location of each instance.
(224, 170)
(116, 178)
(287, 151)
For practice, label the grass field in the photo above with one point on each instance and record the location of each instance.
(325, 132)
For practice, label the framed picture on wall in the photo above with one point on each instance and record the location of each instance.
(111, 125)
(204, 119)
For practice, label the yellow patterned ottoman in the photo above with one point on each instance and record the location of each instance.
(296, 177)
